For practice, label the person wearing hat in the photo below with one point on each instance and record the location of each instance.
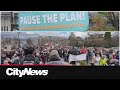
(54, 58)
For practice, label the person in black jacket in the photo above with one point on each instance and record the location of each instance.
(29, 56)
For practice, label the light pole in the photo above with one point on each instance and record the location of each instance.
(50, 39)
(11, 21)
(18, 39)
(39, 40)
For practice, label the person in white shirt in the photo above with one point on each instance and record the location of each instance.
(97, 59)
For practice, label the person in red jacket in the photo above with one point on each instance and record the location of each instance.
(83, 50)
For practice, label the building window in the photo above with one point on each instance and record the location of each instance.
(4, 28)
(1, 28)
(7, 28)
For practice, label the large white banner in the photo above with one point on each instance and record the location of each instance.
(77, 57)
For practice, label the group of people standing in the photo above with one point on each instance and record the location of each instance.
(58, 55)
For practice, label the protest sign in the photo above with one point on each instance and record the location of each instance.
(77, 57)
(50, 21)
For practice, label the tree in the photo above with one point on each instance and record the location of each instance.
(3, 42)
(113, 18)
(15, 41)
(115, 40)
(86, 41)
(95, 40)
(29, 42)
(75, 41)
(6, 41)
(72, 36)
(71, 39)
(107, 40)
(39, 40)
(105, 21)
(79, 42)
(90, 41)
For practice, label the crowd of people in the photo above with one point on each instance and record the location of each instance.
(58, 55)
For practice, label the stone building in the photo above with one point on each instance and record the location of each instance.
(9, 21)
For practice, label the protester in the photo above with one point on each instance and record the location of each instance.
(103, 61)
(43, 57)
(93, 58)
(58, 55)
(7, 61)
(83, 50)
(97, 60)
(117, 55)
(89, 56)
(15, 59)
(61, 52)
(73, 51)
(3, 58)
(113, 60)
(29, 56)
(55, 58)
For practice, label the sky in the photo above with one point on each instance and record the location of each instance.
(34, 34)
(47, 33)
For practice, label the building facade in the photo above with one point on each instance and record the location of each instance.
(9, 21)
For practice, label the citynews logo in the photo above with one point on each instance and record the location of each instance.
(26, 71)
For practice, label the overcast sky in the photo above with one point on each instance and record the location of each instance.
(47, 33)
